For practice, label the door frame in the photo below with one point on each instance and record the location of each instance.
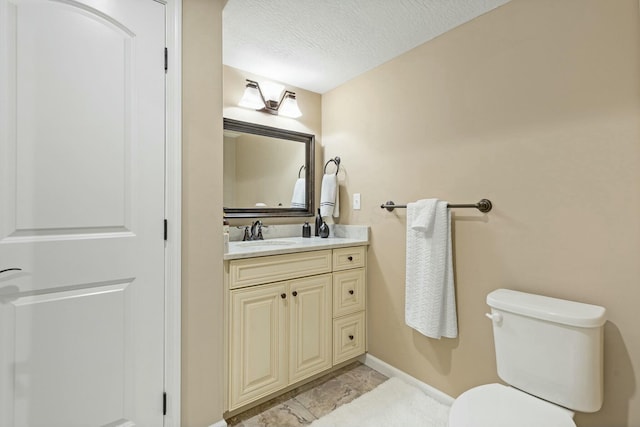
(173, 208)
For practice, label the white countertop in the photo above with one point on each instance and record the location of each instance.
(287, 245)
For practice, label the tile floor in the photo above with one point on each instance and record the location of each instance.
(307, 403)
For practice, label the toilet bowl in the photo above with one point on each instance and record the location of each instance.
(496, 405)
(549, 351)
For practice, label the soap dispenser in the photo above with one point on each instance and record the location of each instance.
(306, 230)
(324, 230)
(318, 223)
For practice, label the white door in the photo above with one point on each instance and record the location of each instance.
(81, 212)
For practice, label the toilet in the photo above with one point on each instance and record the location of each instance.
(549, 352)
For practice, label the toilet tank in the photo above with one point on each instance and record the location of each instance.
(550, 348)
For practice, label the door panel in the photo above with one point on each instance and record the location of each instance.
(310, 326)
(49, 193)
(258, 360)
(82, 185)
(94, 351)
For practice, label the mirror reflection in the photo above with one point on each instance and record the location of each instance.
(267, 171)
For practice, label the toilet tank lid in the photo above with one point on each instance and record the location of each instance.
(546, 308)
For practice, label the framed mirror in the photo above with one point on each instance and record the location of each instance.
(268, 172)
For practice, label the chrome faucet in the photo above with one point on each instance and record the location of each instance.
(253, 231)
(256, 231)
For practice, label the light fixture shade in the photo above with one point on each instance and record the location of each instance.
(251, 97)
(289, 106)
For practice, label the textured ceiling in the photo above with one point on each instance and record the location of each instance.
(319, 44)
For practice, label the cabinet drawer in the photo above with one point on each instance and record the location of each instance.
(346, 258)
(348, 337)
(348, 291)
(253, 271)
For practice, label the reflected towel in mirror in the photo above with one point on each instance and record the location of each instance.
(298, 198)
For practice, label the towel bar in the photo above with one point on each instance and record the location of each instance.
(483, 205)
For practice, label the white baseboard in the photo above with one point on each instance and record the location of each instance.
(221, 423)
(391, 371)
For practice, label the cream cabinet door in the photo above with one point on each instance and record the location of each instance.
(310, 326)
(258, 342)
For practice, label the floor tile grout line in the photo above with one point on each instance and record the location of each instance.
(305, 407)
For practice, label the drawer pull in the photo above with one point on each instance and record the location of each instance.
(351, 337)
(350, 258)
(350, 291)
(294, 293)
(283, 296)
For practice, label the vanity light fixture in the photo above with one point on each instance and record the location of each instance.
(255, 99)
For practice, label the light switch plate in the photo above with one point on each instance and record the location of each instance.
(356, 201)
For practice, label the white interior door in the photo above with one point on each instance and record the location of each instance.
(81, 212)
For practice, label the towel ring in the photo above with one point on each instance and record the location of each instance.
(301, 167)
(335, 160)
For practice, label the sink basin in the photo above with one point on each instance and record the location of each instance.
(266, 243)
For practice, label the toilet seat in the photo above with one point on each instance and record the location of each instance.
(496, 405)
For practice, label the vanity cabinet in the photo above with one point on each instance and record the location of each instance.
(290, 317)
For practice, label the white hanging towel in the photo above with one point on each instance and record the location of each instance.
(329, 200)
(298, 197)
(430, 306)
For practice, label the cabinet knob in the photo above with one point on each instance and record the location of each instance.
(350, 291)
(350, 258)
(294, 293)
(283, 296)
(351, 337)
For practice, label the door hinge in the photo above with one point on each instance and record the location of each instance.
(164, 403)
(166, 59)
(166, 227)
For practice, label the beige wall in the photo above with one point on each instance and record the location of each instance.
(535, 106)
(202, 213)
(310, 122)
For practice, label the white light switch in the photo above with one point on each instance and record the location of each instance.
(356, 201)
